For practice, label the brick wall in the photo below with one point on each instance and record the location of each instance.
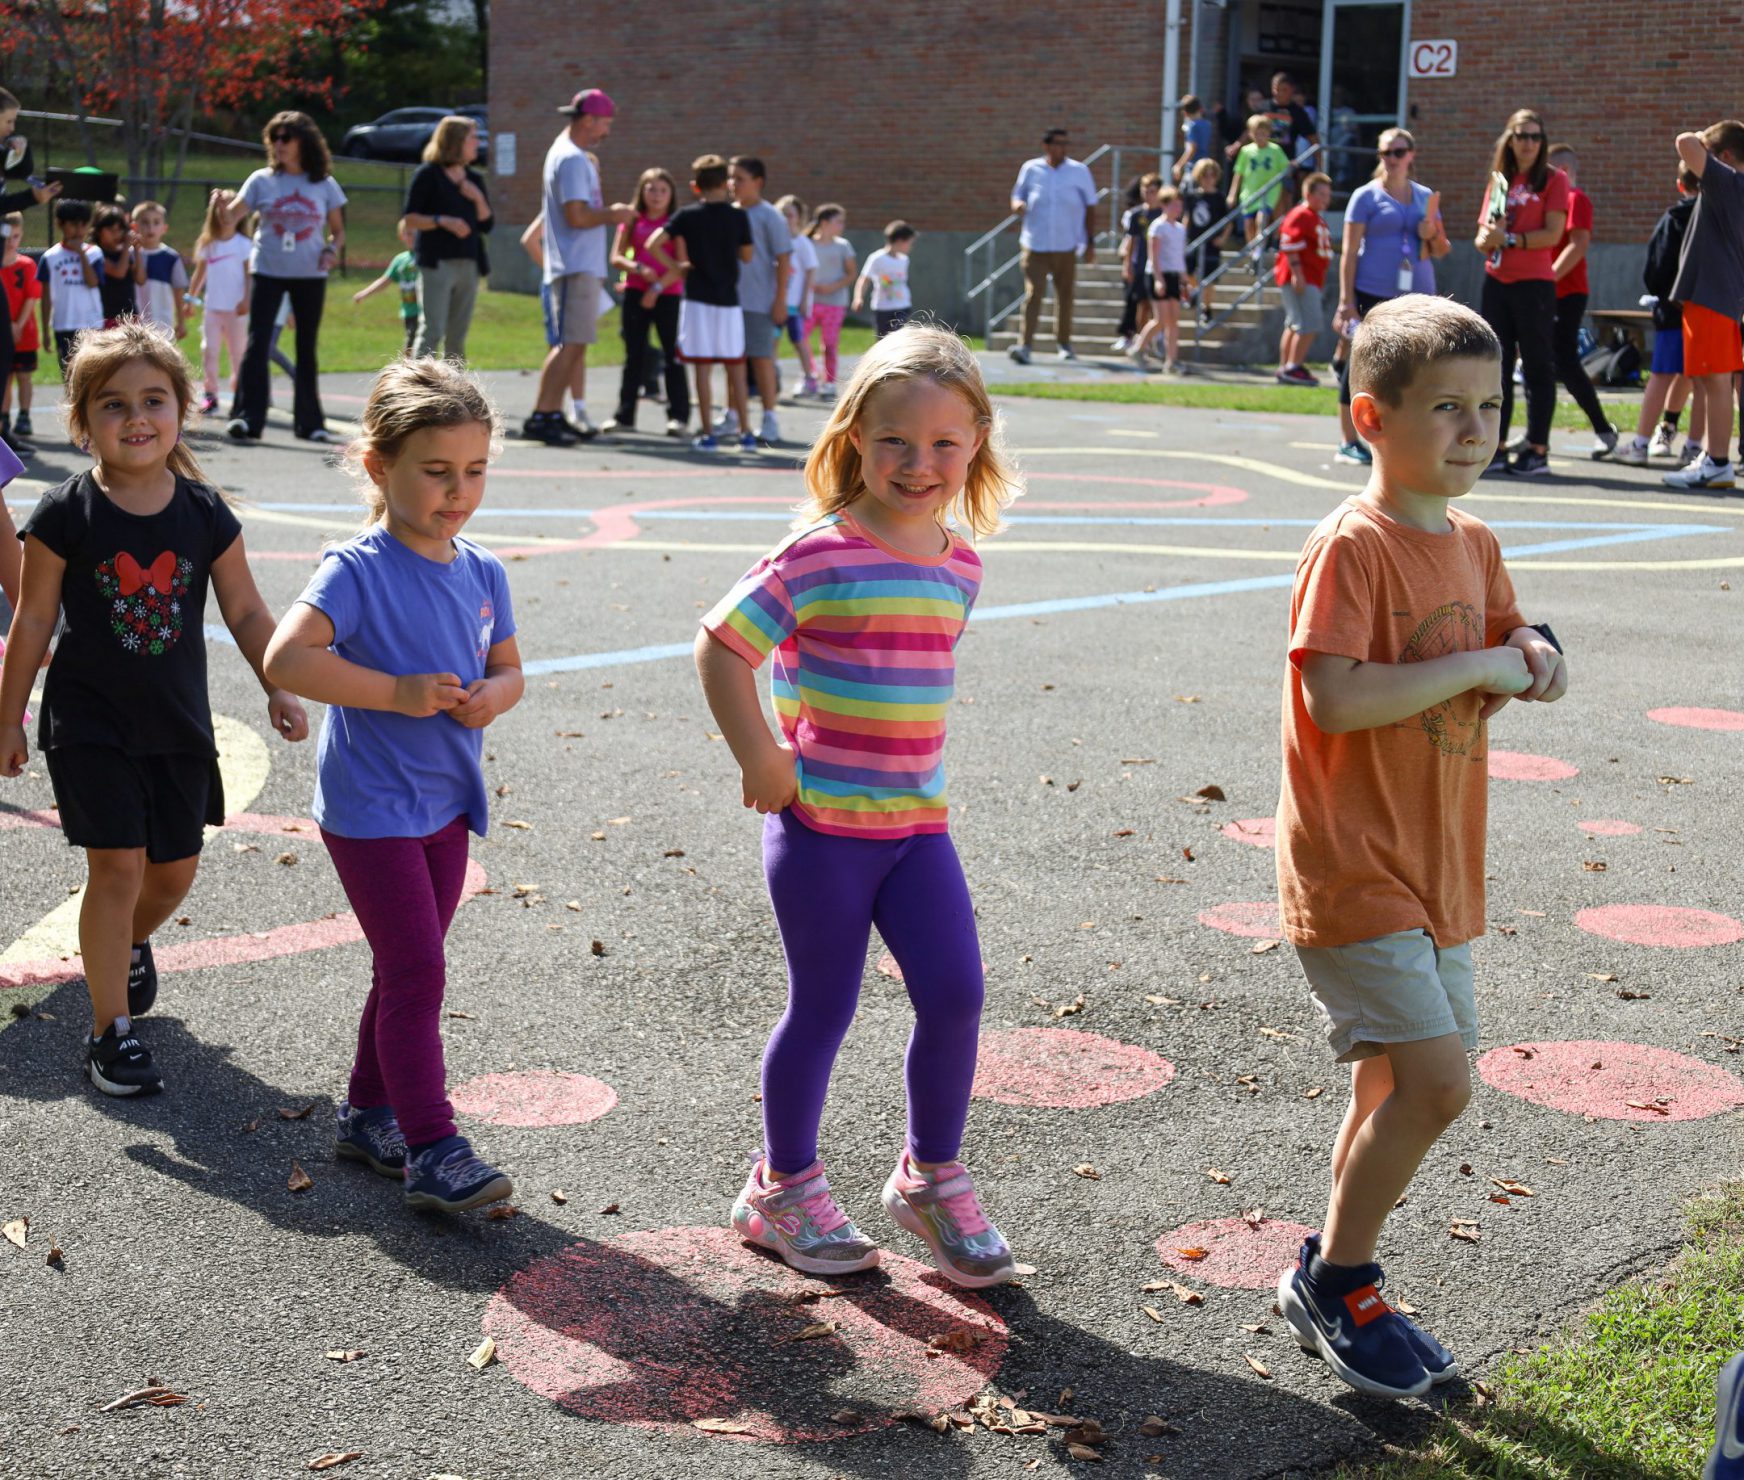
(1615, 80)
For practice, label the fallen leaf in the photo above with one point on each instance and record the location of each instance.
(1070, 1009)
(1192, 1255)
(1404, 1307)
(1083, 1451)
(608, 1210)
(299, 1180)
(56, 1256)
(1124, 832)
(1625, 995)
(184, 919)
(814, 1332)
(287, 859)
(502, 1212)
(1261, 947)
(598, 948)
(1186, 1295)
(1674, 780)
(483, 1355)
(559, 1196)
(1211, 793)
(16, 1230)
(1167, 879)
(1258, 1366)
(1505, 930)
(1595, 865)
(249, 1126)
(1658, 1107)
(957, 1339)
(1087, 1432)
(1517, 1189)
(1154, 1427)
(302, 1114)
(1220, 1178)
(1314, 1092)
(245, 847)
(1536, 914)
(673, 853)
(1186, 698)
(504, 789)
(344, 1355)
(720, 1425)
(1525, 1053)
(1256, 1328)
(518, 825)
(617, 822)
(1601, 976)
(154, 1392)
(1085, 1169)
(1073, 785)
(1466, 1234)
(1045, 780)
(846, 1417)
(1151, 1311)
(1187, 853)
(1254, 1217)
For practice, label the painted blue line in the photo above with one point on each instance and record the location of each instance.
(1640, 536)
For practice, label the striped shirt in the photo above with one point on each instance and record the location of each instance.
(863, 636)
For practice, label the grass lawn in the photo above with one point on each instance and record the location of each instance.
(1628, 1394)
(508, 333)
(1271, 399)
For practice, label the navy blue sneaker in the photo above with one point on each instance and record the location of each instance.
(1437, 1360)
(1361, 1338)
(450, 1177)
(120, 1065)
(1727, 1460)
(141, 982)
(372, 1136)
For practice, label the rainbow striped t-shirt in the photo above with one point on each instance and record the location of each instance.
(863, 636)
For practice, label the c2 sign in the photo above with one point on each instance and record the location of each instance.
(1434, 58)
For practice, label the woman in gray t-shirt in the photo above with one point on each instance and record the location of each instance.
(300, 237)
(836, 271)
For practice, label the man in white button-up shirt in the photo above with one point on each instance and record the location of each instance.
(1056, 197)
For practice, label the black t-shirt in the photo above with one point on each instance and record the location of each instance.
(1138, 223)
(712, 232)
(1205, 208)
(1292, 128)
(116, 292)
(432, 193)
(129, 668)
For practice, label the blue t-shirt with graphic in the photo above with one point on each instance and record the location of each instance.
(386, 775)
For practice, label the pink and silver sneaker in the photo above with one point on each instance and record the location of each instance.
(942, 1210)
(798, 1218)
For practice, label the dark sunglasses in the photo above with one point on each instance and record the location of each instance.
(1529, 138)
(1396, 153)
(283, 136)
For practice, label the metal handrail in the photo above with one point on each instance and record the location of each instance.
(982, 289)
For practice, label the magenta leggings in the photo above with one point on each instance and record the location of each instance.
(827, 318)
(828, 893)
(404, 891)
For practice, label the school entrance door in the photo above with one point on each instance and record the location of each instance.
(1362, 82)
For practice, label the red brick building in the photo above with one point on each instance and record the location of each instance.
(926, 111)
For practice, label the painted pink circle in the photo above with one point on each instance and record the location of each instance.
(534, 1097)
(1237, 1255)
(1515, 765)
(1609, 827)
(1061, 1069)
(658, 1330)
(1613, 1081)
(1699, 719)
(1261, 832)
(1660, 925)
(1258, 921)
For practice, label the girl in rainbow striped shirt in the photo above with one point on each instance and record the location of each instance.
(862, 608)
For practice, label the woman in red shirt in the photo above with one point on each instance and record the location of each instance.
(650, 302)
(1519, 299)
(1570, 267)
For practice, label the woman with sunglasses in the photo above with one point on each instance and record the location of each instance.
(1392, 230)
(1519, 299)
(302, 233)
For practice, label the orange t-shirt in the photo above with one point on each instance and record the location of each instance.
(1382, 830)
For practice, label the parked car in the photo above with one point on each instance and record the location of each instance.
(403, 133)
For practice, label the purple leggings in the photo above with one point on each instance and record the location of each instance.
(828, 893)
(404, 891)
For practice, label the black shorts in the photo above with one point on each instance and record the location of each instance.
(24, 361)
(161, 803)
(1167, 287)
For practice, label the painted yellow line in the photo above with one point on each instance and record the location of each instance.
(1703, 509)
(1131, 432)
(243, 762)
(1734, 563)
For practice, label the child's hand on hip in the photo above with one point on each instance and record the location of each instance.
(14, 750)
(288, 716)
(421, 695)
(479, 707)
(772, 781)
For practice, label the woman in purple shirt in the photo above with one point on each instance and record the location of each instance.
(1392, 229)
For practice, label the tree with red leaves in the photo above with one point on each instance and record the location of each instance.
(157, 65)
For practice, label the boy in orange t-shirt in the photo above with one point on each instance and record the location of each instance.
(1404, 639)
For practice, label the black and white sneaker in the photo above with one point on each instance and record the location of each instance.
(236, 429)
(121, 1065)
(323, 435)
(550, 428)
(141, 982)
(1528, 463)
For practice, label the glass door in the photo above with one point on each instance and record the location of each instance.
(1362, 83)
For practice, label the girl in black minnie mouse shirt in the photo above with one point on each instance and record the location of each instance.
(126, 552)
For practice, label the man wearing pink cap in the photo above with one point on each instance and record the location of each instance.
(576, 219)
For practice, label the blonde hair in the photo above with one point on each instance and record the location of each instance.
(834, 477)
(150, 205)
(102, 354)
(212, 228)
(411, 396)
(1206, 169)
(1388, 138)
(1258, 121)
(449, 141)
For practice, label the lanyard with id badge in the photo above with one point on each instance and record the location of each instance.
(1407, 234)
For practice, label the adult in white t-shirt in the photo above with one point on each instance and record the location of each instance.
(301, 237)
(1056, 197)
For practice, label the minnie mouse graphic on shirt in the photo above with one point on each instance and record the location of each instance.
(145, 602)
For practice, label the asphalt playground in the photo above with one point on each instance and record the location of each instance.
(1154, 1105)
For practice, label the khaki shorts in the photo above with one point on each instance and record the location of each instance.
(572, 309)
(1393, 989)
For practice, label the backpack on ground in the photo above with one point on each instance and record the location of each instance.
(1616, 363)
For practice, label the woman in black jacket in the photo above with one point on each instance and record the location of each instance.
(18, 166)
(447, 206)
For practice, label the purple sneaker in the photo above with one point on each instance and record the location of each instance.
(372, 1136)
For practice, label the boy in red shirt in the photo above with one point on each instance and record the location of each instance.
(23, 290)
(1304, 253)
(1404, 639)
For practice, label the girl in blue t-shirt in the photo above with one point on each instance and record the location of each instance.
(124, 555)
(407, 634)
